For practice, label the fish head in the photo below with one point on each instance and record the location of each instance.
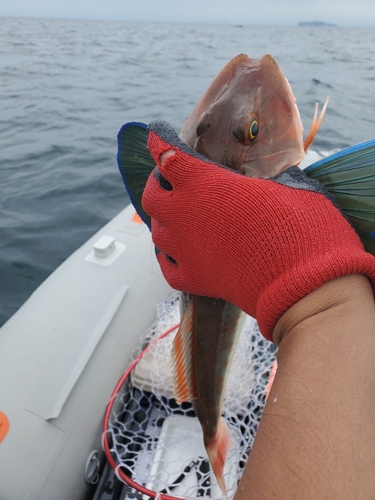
(248, 119)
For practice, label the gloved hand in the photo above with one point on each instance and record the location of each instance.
(259, 244)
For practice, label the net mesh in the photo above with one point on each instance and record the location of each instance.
(158, 443)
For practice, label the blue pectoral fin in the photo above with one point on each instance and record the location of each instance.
(349, 175)
(135, 163)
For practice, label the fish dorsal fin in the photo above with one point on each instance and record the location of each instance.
(315, 124)
(182, 358)
(349, 175)
(135, 163)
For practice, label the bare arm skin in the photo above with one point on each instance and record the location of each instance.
(316, 439)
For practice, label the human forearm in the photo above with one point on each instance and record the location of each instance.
(317, 434)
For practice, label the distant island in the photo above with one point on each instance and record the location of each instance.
(315, 23)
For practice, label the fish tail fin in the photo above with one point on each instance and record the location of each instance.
(217, 451)
(315, 125)
(182, 358)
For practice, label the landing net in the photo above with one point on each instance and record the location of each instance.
(156, 445)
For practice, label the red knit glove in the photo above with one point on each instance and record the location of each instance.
(256, 243)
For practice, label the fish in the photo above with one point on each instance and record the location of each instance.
(247, 120)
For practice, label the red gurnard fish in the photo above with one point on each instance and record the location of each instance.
(247, 120)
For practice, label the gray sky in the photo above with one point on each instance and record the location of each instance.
(267, 12)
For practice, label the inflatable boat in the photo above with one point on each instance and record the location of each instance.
(62, 354)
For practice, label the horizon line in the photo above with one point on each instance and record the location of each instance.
(209, 23)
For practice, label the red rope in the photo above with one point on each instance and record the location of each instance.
(107, 415)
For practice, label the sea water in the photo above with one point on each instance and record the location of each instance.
(67, 86)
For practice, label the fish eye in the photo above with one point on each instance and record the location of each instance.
(253, 130)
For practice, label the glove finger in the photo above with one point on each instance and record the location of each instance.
(170, 270)
(156, 200)
(184, 163)
(168, 257)
(164, 243)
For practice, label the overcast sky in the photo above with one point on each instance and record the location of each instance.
(267, 12)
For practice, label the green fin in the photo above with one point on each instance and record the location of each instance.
(350, 176)
(135, 163)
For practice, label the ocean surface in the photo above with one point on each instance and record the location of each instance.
(67, 86)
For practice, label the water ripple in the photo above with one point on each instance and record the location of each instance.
(67, 87)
